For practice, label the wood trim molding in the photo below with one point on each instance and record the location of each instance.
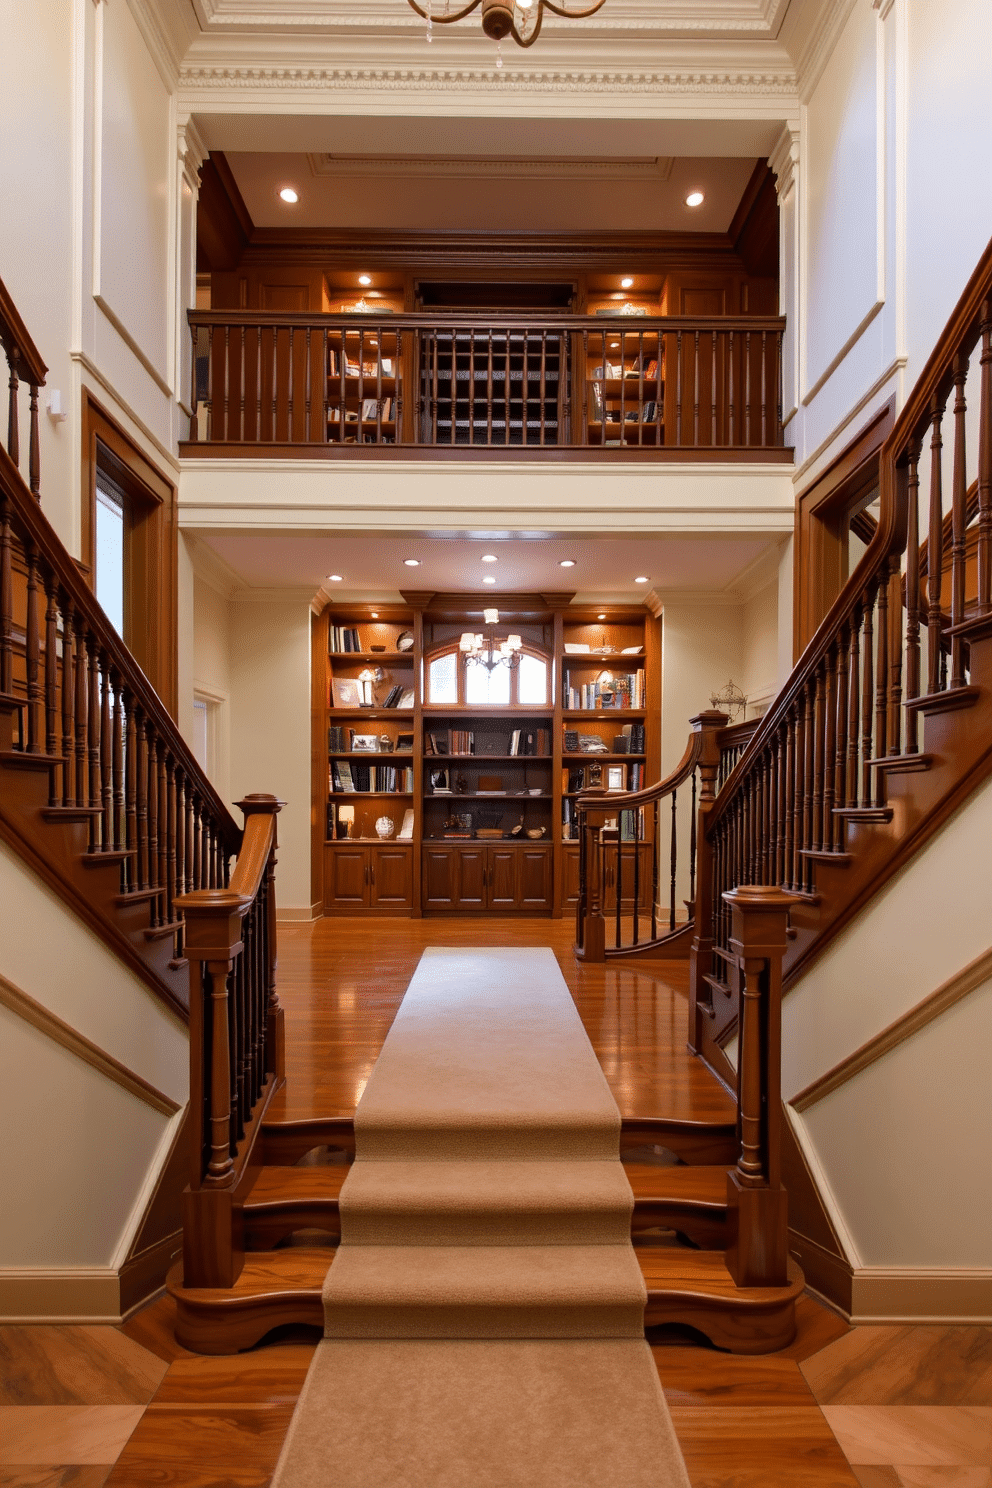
(917, 1294)
(974, 975)
(76, 1043)
(70, 1294)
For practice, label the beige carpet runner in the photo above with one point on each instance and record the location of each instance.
(484, 1311)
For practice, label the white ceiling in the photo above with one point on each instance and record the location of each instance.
(373, 566)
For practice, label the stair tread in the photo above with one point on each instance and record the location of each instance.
(503, 1275)
(705, 1186)
(666, 1271)
(314, 1185)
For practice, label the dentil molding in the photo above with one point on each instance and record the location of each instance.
(200, 79)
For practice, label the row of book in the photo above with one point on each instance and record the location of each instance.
(372, 410)
(449, 741)
(630, 739)
(374, 367)
(341, 740)
(623, 691)
(530, 742)
(348, 776)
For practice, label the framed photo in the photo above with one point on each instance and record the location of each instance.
(365, 743)
(440, 781)
(345, 693)
(614, 777)
(406, 698)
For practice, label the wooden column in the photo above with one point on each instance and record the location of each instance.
(757, 1204)
(708, 724)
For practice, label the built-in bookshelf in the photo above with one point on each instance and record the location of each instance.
(625, 388)
(471, 774)
(364, 386)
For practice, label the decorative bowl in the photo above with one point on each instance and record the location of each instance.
(384, 827)
(535, 833)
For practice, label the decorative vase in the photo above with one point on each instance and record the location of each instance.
(384, 827)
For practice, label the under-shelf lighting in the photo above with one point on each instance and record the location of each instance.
(489, 579)
(626, 283)
(365, 279)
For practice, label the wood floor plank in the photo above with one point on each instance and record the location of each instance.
(154, 1327)
(932, 1365)
(703, 1376)
(210, 1447)
(75, 1365)
(760, 1447)
(270, 1375)
(75, 1476)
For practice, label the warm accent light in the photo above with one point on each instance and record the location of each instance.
(641, 579)
(289, 195)
(488, 650)
(600, 617)
(567, 563)
(489, 558)
(521, 19)
(365, 278)
(489, 579)
(694, 199)
(334, 578)
(626, 283)
(412, 562)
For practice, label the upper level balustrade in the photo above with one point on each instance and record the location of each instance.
(274, 383)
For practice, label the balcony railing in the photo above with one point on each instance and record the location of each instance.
(269, 383)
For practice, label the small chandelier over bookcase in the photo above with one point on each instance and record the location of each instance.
(486, 650)
(521, 19)
(730, 701)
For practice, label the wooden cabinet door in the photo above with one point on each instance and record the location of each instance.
(627, 877)
(534, 881)
(392, 877)
(570, 875)
(471, 885)
(502, 877)
(440, 875)
(346, 878)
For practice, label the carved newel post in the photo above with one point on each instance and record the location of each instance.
(708, 725)
(757, 1204)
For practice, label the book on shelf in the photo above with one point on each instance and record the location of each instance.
(392, 698)
(461, 741)
(625, 691)
(335, 739)
(343, 638)
(342, 781)
(406, 830)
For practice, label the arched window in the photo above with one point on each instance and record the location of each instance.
(453, 680)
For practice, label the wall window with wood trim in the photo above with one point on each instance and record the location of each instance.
(129, 546)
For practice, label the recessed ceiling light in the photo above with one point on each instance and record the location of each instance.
(626, 283)
(489, 579)
(614, 345)
(489, 558)
(289, 195)
(694, 199)
(567, 563)
(412, 562)
(641, 579)
(600, 617)
(365, 278)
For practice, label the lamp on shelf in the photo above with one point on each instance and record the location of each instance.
(488, 650)
(346, 818)
(366, 685)
(521, 19)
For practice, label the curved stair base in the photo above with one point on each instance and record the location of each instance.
(693, 1288)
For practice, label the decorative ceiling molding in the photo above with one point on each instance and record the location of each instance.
(831, 18)
(784, 159)
(654, 168)
(196, 80)
(663, 17)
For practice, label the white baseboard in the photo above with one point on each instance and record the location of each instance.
(31, 1294)
(909, 1294)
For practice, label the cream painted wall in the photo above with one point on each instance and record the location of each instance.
(760, 646)
(887, 219)
(212, 674)
(270, 728)
(903, 1148)
(74, 1189)
(36, 228)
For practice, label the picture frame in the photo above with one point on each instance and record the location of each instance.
(440, 781)
(614, 778)
(345, 693)
(365, 743)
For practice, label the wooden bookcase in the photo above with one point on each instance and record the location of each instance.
(487, 771)
(625, 388)
(365, 386)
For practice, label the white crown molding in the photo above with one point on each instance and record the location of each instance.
(784, 159)
(166, 49)
(191, 148)
(831, 18)
(211, 569)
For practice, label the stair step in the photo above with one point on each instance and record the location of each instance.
(865, 813)
(71, 813)
(285, 1142)
(97, 857)
(902, 764)
(944, 702)
(20, 759)
(284, 1286)
(286, 1199)
(159, 932)
(694, 1288)
(827, 856)
(695, 1140)
(692, 1200)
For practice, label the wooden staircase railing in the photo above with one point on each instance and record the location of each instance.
(24, 364)
(614, 903)
(837, 788)
(237, 1045)
(99, 792)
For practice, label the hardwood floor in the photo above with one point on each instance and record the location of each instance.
(83, 1407)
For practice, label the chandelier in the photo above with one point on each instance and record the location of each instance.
(486, 650)
(730, 701)
(520, 19)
